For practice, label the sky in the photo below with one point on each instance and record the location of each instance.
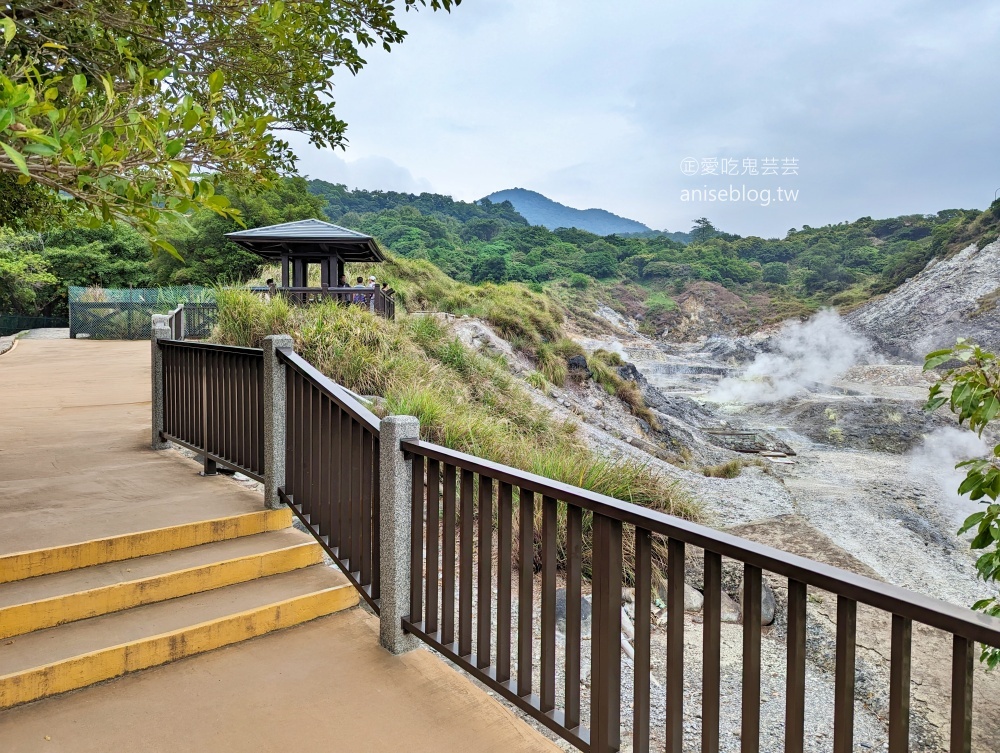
(666, 111)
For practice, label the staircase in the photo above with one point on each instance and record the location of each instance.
(72, 616)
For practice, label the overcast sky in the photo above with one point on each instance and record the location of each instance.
(861, 108)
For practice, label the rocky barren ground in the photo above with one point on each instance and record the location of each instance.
(870, 490)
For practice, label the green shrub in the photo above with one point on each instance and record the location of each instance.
(579, 281)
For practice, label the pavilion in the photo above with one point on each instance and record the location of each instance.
(297, 245)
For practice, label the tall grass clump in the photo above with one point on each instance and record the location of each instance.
(603, 369)
(464, 400)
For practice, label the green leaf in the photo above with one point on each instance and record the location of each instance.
(6, 118)
(79, 83)
(9, 29)
(215, 81)
(971, 521)
(937, 358)
(174, 147)
(15, 157)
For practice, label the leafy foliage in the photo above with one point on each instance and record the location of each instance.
(971, 389)
(142, 108)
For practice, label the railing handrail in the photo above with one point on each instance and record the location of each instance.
(211, 346)
(885, 596)
(332, 390)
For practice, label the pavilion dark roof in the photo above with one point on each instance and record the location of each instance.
(308, 238)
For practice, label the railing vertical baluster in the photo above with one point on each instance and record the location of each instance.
(750, 717)
(324, 500)
(465, 575)
(605, 657)
(289, 431)
(417, 538)
(484, 625)
(675, 646)
(843, 692)
(259, 429)
(640, 665)
(366, 506)
(962, 666)
(243, 425)
(315, 487)
(505, 540)
(795, 675)
(547, 684)
(433, 539)
(899, 685)
(448, 558)
(525, 589)
(376, 589)
(336, 480)
(225, 406)
(711, 653)
(574, 622)
(358, 548)
(346, 545)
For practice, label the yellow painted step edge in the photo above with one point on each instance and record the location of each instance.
(97, 666)
(21, 565)
(18, 619)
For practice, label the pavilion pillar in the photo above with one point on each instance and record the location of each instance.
(325, 273)
(284, 271)
(341, 271)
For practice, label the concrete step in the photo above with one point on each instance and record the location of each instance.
(28, 564)
(77, 654)
(49, 600)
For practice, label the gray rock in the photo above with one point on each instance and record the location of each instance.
(768, 606)
(693, 599)
(577, 363)
(561, 612)
(730, 611)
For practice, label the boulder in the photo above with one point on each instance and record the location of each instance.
(561, 612)
(693, 599)
(768, 605)
(577, 363)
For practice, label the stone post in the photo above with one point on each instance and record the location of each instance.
(160, 328)
(394, 531)
(274, 418)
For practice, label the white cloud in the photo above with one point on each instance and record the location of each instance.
(368, 172)
(886, 105)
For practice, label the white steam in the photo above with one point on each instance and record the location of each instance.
(819, 350)
(936, 457)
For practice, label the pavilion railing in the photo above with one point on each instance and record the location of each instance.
(375, 298)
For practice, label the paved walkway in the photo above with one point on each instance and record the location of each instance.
(75, 465)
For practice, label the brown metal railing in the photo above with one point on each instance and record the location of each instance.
(175, 320)
(463, 496)
(213, 403)
(332, 471)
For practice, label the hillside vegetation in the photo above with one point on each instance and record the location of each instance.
(464, 400)
(742, 282)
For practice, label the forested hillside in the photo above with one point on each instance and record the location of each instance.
(491, 242)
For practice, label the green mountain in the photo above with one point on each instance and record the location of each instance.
(541, 210)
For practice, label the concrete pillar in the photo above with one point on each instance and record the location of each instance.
(274, 418)
(160, 328)
(394, 531)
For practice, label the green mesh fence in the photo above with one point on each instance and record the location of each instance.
(11, 324)
(125, 313)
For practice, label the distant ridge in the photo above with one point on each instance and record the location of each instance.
(541, 210)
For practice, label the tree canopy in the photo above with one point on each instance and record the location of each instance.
(140, 107)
